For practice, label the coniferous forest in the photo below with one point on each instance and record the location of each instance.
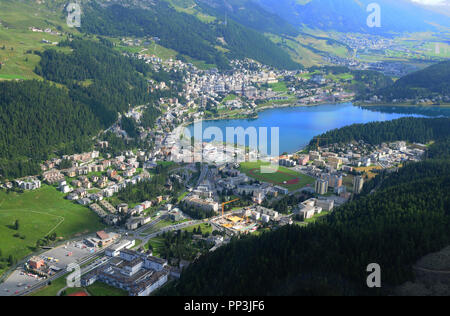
(95, 84)
(419, 130)
(36, 119)
(98, 76)
(185, 33)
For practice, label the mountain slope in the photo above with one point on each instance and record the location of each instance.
(427, 83)
(214, 42)
(250, 14)
(351, 15)
(36, 119)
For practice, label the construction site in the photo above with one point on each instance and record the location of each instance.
(247, 221)
(237, 223)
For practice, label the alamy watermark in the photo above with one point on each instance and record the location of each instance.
(374, 18)
(374, 278)
(74, 14)
(238, 145)
(74, 279)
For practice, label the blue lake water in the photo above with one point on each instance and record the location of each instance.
(298, 125)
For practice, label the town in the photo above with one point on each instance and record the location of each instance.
(170, 189)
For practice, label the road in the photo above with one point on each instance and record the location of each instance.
(94, 257)
(62, 273)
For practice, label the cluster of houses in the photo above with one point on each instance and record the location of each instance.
(47, 30)
(28, 184)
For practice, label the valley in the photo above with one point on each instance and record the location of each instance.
(293, 142)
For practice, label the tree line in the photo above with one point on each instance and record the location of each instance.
(421, 130)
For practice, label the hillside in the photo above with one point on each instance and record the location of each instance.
(214, 42)
(17, 40)
(427, 83)
(249, 14)
(351, 15)
(94, 84)
(405, 219)
(30, 111)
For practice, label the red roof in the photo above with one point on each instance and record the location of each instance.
(102, 235)
(82, 293)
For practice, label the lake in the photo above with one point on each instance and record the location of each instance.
(298, 125)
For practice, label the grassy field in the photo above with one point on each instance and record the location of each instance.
(16, 39)
(52, 289)
(157, 244)
(279, 87)
(205, 227)
(96, 289)
(102, 289)
(40, 213)
(285, 177)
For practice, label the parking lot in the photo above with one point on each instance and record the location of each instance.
(57, 258)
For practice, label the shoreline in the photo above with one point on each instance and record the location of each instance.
(282, 106)
(180, 129)
(405, 105)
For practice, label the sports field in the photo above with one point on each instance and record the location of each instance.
(40, 213)
(284, 177)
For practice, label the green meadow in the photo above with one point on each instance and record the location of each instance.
(252, 169)
(40, 213)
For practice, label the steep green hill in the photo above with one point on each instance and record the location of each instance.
(427, 83)
(214, 42)
(36, 118)
(250, 14)
(94, 84)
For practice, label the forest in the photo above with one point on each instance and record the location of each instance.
(417, 130)
(179, 245)
(97, 76)
(150, 190)
(185, 33)
(37, 119)
(195, 212)
(427, 83)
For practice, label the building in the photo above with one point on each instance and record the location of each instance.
(265, 211)
(207, 204)
(325, 204)
(133, 223)
(250, 92)
(139, 274)
(114, 250)
(334, 180)
(303, 160)
(309, 208)
(358, 184)
(31, 184)
(53, 176)
(321, 186)
(36, 263)
(265, 218)
(123, 208)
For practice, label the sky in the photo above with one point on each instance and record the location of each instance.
(433, 2)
